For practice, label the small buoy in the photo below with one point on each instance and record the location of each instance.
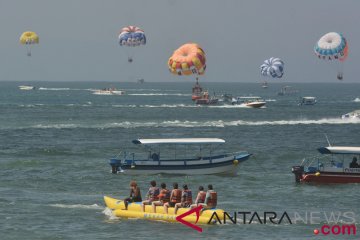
(236, 162)
(317, 174)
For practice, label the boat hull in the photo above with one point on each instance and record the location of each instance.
(330, 177)
(134, 211)
(256, 104)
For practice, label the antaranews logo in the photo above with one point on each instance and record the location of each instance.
(197, 210)
(338, 223)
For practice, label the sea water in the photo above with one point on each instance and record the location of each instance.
(55, 143)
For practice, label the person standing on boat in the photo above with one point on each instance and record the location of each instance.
(152, 195)
(211, 197)
(175, 197)
(354, 163)
(135, 195)
(200, 198)
(164, 197)
(186, 199)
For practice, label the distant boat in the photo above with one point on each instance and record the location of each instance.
(251, 101)
(27, 87)
(287, 90)
(197, 91)
(308, 101)
(109, 91)
(264, 85)
(141, 80)
(352, 115)
(206, 99)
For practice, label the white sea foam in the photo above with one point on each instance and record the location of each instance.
(54, 89)
(110, 214)
(159, 94)
(356, 100)
(78, 206)
(270, 100)
(197, 124)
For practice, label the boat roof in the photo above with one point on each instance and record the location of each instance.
(308, 97)
(249, 97)
(178, 140)
(339, 150)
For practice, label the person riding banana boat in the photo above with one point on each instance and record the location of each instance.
(166, 205)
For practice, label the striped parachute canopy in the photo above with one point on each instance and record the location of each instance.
(132, 36)
(188, 59)
(272, 67)
(29, 38)
(332, 46)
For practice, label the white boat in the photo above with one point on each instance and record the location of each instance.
(252, 101)
(352, 115)
(287, 90)
(190, 156)
(264, 85)
(27, 87)
(308, 101)
(109, 91)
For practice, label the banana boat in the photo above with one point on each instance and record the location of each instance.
(134, 211)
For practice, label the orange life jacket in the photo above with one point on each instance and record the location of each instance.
(164, 195)
(176, 196)
(201, 198)
(153, 193)
(212, 201)
(188, 196)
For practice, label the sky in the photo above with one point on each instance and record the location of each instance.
(79, 38)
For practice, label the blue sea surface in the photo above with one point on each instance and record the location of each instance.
(55, 143)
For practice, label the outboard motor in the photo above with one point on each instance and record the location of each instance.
(298, 171)
(115, 165)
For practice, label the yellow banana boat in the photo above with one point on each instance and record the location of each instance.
(135, 211)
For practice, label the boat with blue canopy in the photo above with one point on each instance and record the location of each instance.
(189, 156)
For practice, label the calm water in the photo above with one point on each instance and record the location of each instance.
(55, 145)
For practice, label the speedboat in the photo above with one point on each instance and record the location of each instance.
(109, 91)
(352, 115)
(206, 99)
(26, 87)
(308, 101)
(252, 101)
(189, 156)
(134, 210)
(332, 166)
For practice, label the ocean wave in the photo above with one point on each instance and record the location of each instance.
(156, 106)
(197, 124)
(149, 89)
(356, 100)
(159, 94)
(108, 212)
(78, 206)
(270, 100)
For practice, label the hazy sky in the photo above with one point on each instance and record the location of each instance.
(78, 38)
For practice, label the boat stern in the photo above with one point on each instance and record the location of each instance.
(298, 171)
(115, 165)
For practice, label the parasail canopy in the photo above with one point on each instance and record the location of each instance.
(272, 67)
(29, 37)
(188, 59)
